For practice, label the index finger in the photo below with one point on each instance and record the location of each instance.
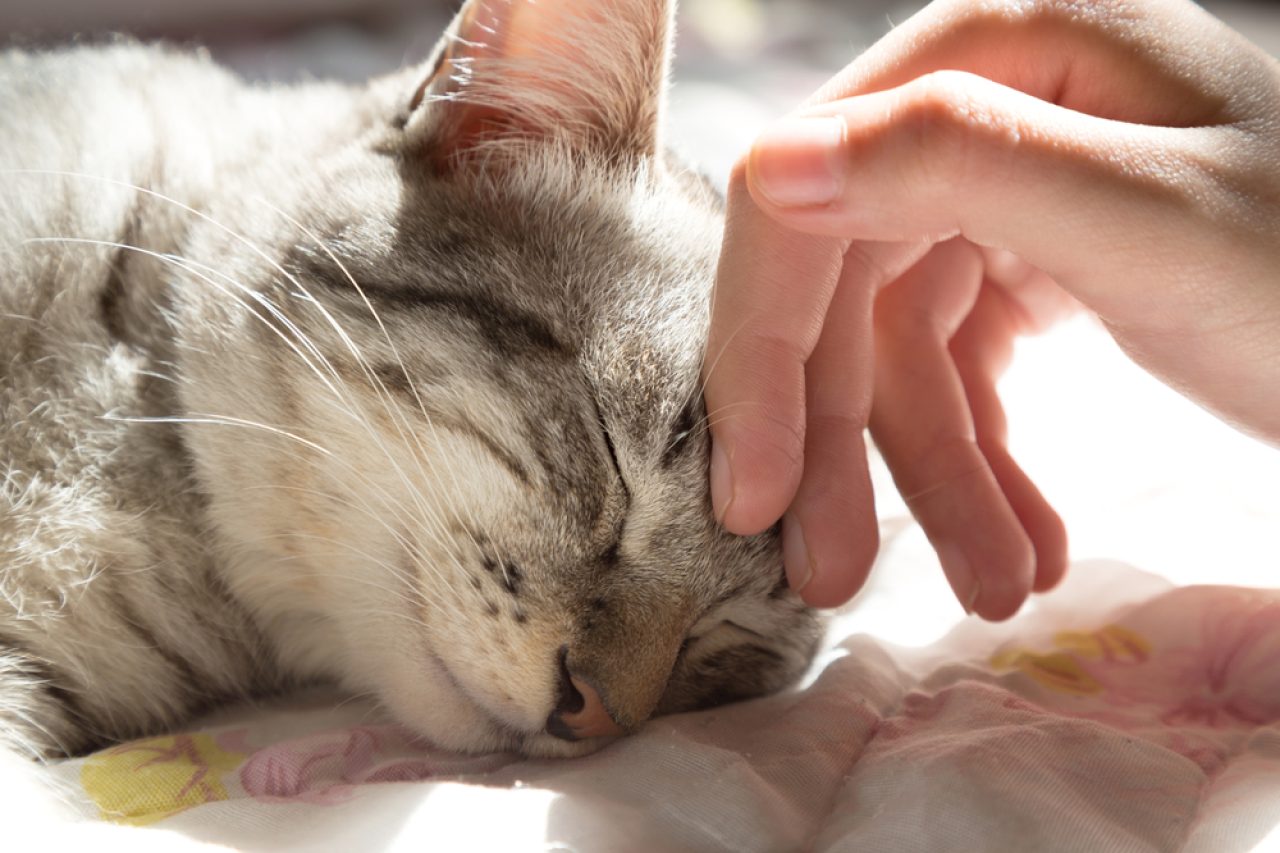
(772, 291)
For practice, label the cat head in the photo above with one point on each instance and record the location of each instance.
(479, 486)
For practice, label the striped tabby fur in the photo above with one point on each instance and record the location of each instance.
(395, 386)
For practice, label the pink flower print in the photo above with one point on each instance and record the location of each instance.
(1217, 666)
(322, 769)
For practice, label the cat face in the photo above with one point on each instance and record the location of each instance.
(483, 497)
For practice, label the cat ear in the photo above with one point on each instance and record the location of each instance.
(586, 74)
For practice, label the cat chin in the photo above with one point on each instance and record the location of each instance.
(545, 746)
(474, 731)
(437, 709)
(423, 695)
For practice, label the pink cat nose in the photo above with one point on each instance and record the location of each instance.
(579, 712)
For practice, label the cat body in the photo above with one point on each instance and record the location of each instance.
(114, 610)
(395, 386)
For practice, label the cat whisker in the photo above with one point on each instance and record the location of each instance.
(236, 235)
(384, 394)
(703, 424)
(218, 420)
(724, 412)
(197, 418)
(363, 695)
(278, 431)
(715, 362)
(192, 267)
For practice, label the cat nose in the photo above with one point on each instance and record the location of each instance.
(579, 712)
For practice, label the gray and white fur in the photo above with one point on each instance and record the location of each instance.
(395, 386)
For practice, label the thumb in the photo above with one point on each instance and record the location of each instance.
(951, 153)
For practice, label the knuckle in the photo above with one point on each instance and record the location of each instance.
(942, 118)
(868, 264)
(952, 117)
(942, 98)
(835, 487)
(842, 430)
(786, 355)
(938, 466)
(775, 437)
(768, 415)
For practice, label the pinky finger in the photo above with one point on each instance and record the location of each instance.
(980, 349)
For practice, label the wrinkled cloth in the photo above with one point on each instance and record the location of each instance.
(1125, 711)
(1152, 726)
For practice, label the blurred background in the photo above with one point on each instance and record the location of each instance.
(739, 62)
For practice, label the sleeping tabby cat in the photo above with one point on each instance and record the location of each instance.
(395, 386)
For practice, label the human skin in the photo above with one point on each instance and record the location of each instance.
(975, 173)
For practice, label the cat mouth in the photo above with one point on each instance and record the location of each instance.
(509, 732)
(535, 743)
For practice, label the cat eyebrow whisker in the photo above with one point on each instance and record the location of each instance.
(704, 423)
(215, 420)
(261, 254)
(723, 413)
(710, 419)
(384, 395)
(702, 387)
(195, 268)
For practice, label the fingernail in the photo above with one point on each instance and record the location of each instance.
(795, 554)
(721, 481)
(956, 566)
(795, 162)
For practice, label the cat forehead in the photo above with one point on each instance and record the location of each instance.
(558, 210)
(621, 265)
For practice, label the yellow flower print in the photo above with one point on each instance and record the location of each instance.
(1059, 669)
(1114, 644)
(1055, 670)
(147, 781)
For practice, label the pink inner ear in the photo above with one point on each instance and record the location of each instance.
(545, 68)
(485, 32)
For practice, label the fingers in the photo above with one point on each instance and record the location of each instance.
(951, 153)
(980, 351)
(772, 292)
(1179, 65)
(1002, 123)
(830, 534)
(925, 429)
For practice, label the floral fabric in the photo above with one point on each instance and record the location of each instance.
(1155, 726)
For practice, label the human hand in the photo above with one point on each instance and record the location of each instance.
(1128, 154)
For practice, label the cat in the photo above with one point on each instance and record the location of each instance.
(395, 386)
